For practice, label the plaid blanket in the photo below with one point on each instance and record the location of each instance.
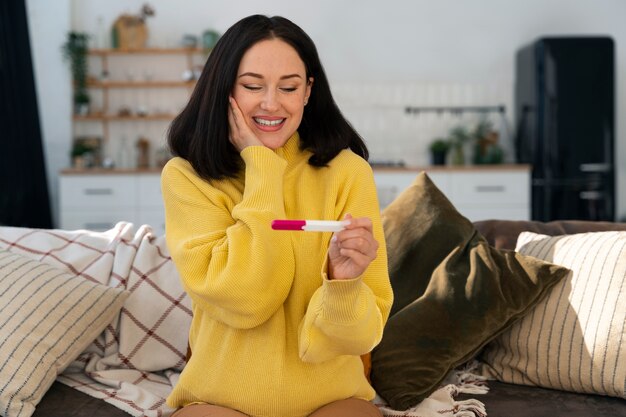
(136, 361)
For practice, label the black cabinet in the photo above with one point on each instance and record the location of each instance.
(565, 115)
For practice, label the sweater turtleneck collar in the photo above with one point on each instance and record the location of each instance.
(291, 149)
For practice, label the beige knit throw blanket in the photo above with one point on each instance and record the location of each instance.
(442, 402)
(136, 361)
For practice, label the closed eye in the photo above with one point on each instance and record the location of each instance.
(252, 87)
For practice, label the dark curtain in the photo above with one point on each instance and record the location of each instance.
(24, 199)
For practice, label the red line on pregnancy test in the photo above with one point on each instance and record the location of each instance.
(288, 224)
(310, 225)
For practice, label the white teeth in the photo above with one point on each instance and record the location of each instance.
(268, 122)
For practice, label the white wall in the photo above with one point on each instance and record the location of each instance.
(398, 52)
(48, 24)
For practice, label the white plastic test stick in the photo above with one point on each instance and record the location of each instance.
(310, 225)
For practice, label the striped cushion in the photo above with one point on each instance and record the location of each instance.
(47, 318)
(573, 340)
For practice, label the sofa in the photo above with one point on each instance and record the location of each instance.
(133, 258)
(538, 305)
(513, 400)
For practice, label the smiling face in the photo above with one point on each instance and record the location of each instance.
(271, 90)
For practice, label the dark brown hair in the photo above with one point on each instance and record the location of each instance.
(200, 132)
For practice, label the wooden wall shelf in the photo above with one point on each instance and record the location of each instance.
(141, 84)
(148, 51)
(186, 60)
(107, 117)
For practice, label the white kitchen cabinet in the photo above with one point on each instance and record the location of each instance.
(98, 201)
(477, 192)
(97, 191)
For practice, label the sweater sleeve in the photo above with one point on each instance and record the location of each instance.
(346, 317)
(230, 263)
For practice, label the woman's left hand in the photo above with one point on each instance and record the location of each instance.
(352, 250)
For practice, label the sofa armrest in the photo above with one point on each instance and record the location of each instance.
(503, 233)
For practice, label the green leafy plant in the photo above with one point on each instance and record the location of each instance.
(79, 149)
(439, 145)
(438, 151)
(75, 51)
(458, 137)
(482, 129)
(486, 148)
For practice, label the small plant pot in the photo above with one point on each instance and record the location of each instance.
(438, 157)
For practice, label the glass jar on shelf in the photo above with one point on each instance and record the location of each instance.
(125, 153)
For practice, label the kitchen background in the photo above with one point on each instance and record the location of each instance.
(381, 57)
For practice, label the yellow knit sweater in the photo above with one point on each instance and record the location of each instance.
(271, 336)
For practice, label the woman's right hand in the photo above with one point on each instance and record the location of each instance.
(241, 136)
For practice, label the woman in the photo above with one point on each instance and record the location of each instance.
(279, 318)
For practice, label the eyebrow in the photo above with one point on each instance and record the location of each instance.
(255, 75)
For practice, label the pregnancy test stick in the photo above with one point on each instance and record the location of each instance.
(310, 225)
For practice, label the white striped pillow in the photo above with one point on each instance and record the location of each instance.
(47, 318)
(574, 340)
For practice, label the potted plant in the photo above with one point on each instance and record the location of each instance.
(75, 51)
(80, 152)
(458, 137)
(486, 148)
(438, 151)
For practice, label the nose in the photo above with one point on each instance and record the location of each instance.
(269, 102)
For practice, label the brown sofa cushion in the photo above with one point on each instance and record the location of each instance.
(453, 293)
(503, 234)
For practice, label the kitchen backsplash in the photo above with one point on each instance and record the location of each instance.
(378, 111)
(395, 135)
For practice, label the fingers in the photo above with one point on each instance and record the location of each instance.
(234, 117)
(241, 135)
(357, 239)
(357, 246)
(233, 131)
(360, 222)
(353, 249)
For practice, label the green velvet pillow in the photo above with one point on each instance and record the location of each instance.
(453, 293)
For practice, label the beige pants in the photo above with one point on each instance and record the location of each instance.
(352, 407)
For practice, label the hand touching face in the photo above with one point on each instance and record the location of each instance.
(269, 95)
(352, 250)
(241, 135)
